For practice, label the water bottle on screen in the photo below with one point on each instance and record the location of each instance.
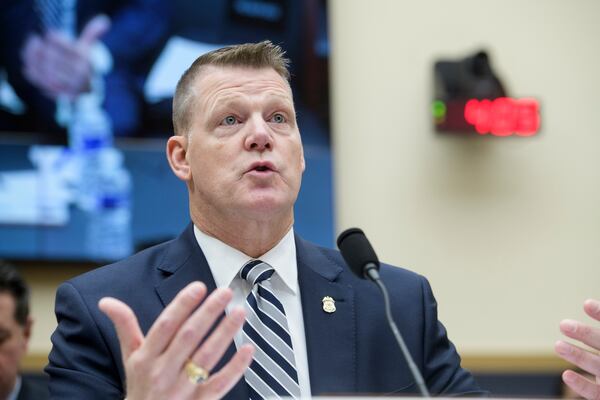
(103, 189)
(108, 235)
(90, 133)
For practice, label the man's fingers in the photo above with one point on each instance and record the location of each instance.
(582, 332)
(174, 315)
(30, 52)
(581, 385)
(53, 64)
(126, 324)
(93, 30)
(221, 382)
(192, 332)
(219, 340)
(582, 358)
(32, 56)
(592, 308)
(69, 61)
(61, 46)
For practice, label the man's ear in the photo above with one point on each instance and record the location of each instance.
(176, 154)
(27, 328)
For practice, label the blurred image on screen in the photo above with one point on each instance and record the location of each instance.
(85, 109)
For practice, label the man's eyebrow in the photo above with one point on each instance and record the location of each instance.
(280, 97)
(280, 100)
(224, 103)
(236, 99)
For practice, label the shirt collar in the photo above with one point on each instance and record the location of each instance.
(225, 262)
(16, 389)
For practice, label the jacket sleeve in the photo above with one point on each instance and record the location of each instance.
(442, 371)
(139, 28)
(81, 365)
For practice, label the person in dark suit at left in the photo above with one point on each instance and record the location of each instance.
(15, 331)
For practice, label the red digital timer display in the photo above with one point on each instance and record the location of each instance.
(503, 116)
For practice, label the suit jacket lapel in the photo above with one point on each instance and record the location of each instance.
(184, 263)
(330, 337)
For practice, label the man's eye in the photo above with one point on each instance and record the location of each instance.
(4, 335)
(278, 118)
(229, 120)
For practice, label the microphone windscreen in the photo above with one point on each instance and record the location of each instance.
(356, 250)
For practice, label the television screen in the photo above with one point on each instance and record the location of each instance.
(85, 110)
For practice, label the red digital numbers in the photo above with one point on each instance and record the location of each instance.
(504, 116)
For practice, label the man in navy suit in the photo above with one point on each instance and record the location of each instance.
(155, 325)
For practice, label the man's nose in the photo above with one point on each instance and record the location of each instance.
(259, 137)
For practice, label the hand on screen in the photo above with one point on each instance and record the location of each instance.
(61, 66)
(587, 360)
(155, 365)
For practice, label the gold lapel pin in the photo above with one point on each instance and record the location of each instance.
(328, 304)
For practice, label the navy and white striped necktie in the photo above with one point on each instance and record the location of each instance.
(56, 15)
(272, 373)
(59, 16)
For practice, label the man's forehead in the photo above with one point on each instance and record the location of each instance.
(213, 80)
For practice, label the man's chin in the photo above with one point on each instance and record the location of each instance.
(267, 206)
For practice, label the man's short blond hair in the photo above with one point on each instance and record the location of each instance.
(251, 55)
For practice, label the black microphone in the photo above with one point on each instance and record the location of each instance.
(362, 260)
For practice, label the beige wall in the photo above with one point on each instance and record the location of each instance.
(506, 229)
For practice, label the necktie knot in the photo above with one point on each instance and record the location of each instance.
(256, 271)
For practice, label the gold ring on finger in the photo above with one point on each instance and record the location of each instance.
(195, 373)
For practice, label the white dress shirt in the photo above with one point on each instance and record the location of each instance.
(16, 389)
(225, 263)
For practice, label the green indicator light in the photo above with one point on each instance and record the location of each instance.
(438, 108)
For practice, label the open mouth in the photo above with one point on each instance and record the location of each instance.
(262, 166)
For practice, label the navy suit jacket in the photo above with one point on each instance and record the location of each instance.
(351, 350)
(33, 389)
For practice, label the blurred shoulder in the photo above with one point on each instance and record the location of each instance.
(388, 272)
(33, 388)
(127, 274)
